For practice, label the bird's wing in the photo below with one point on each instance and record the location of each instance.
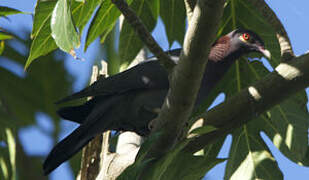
(148, 74)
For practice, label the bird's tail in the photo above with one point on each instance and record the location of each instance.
(96, 119)
(66, 149)
(77, 114)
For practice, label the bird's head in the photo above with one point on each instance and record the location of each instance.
(246, 41)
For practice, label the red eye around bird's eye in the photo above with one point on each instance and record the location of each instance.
(246, 36)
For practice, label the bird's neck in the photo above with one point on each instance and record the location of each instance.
(215, 70)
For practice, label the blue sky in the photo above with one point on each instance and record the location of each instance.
(293, 14)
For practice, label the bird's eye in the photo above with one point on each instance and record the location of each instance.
(246, 36)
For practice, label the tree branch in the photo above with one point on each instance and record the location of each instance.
(90, 164)
(186, 78)
(287, 79)
(190, 4)
(144, 34)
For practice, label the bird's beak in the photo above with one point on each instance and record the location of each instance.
(265, 52)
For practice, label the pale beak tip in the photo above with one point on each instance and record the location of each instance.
(266, 53)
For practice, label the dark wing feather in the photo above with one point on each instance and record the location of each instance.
(148, 74)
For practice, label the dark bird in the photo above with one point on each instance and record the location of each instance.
(129, 100)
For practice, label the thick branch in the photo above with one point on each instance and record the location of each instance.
(187, 75)
(144, 34)
(287, 79)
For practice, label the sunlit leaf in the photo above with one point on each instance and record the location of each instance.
(249, 157)
(103, 21)
(4, 168)
(42, 14)
(82, 12)
(63, 29)
(41, 32)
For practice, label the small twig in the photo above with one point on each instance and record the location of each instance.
(144, 34)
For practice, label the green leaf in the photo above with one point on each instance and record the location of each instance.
(213, 149)
(5, 11)
(128, 37)
(134, 170)
(12, 150)
(43, 10)
(177, 164)
(4, 168)
(1, 47)
(41, 32)
(111, 54)
(155, 7)
(189, 167)
(203, 130)
(161, 166)
(63, 29)
(5, 35)
(82, 12)
(249, 157)
(173, 14)
(103, 21)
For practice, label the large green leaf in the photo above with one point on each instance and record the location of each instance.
(173, 14)
(82, 12)
(103, 21)
(62, 28)
(130, 43)
(41, 32)
(249, 157)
